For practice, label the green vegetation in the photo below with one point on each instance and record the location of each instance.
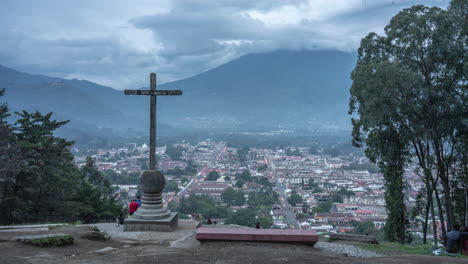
(264, 182)
(367, 228)
(240, 183)
(313, 150)
(409, 94)
(259, 202)
(262, 168)
(203, 205)
(177, 171)
(294, 152)
(323, 207)
(212, 176)
(174, 153)
(243, 217)
(171, 186)
(53, 241)
(232, 197)
(262, 199)
(122, 178)
(332, 151)
(242, 154)
(244, 176)
(343, 191)
(40, 182)
(300, 216)
(389, 248)
(294, 198)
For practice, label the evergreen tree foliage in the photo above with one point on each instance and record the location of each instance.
(9, 166)
(40, 182)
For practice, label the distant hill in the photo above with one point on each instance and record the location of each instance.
(283, 89)
(286, 89)
(89, 106)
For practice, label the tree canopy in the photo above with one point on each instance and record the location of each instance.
(212, 176)
(294, 198)
(408, 101)
(40, 182)
(232, 197)
(243, 217)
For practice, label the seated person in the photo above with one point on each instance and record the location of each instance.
(454, 238)
(464, 244)
(132, 207)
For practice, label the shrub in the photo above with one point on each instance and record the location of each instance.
(55, 241)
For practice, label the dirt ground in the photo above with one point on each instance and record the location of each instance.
(187, 250)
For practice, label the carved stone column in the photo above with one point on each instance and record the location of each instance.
(151, 215)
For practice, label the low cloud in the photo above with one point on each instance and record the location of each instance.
(116, 43)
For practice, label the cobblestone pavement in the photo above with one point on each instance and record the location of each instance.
(184, 238)
(186, 228)
(347, 250)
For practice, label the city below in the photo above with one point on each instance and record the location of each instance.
(290, 187)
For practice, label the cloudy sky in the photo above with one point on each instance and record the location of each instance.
(118, 42)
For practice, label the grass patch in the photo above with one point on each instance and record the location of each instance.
(55, 241)
(95, 229)
(396, 248)
(388, 248)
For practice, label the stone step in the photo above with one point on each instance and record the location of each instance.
(264, 235)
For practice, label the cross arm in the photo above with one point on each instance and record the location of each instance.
(153, 92)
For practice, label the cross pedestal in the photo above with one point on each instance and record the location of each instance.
(151, 215)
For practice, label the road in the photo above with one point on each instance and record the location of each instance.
(219, 152)
(287, 208)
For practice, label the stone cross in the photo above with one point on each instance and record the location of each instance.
(152, 92)
(151, 215)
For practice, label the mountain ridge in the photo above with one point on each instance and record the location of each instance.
(303, 89)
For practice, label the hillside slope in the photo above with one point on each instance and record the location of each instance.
(286, 89)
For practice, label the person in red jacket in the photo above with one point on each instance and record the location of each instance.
(132, 207)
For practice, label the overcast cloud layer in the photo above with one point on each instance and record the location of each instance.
(118, 42)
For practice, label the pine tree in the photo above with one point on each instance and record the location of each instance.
(9, 160)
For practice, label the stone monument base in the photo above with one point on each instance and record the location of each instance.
(168, 224)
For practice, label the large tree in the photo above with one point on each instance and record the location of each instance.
(45, 185)
(243, 217)
(408, 98)
(232, 197)
(212, 176)
(9, 166)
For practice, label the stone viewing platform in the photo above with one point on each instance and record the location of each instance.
(181, 246)
(309, 237)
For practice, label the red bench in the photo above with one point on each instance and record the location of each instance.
(265, 235)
